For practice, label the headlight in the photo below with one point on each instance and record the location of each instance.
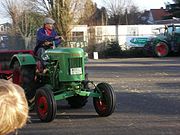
(45, 57)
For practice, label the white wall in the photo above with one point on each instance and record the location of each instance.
(121, 32)
(118, 33)
(81, 28)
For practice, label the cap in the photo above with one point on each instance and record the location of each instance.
(48, 20)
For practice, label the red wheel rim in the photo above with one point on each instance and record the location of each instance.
(17, 78)
(101, 105)
(42, 106)
(161, 49)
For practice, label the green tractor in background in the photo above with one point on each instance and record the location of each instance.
(164, 43)
(65, 79)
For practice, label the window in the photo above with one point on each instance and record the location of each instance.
(177, 29)
(77, 36)
(2, 28)
(132, 31)
(170, 30)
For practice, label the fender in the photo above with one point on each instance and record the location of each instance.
(23, 59)
(158, 39)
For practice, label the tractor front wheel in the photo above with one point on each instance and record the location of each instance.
(45, 104)
(105, 104)
(161, 49)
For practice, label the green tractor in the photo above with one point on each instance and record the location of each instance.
(64, 78)
(164, 43)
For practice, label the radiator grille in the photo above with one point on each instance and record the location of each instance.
(75, 62)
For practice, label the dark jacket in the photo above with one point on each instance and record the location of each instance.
(43, 37)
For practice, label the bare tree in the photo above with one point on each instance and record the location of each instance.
(133, 15)
(24, 20)
(64, 12)
(13, 9)
(117, 8)
(24, 14)
(88, 11)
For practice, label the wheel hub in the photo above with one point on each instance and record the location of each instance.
(161, 49)
(101, 105)
(42, 106)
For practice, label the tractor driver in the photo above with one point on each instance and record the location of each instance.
(46, 37)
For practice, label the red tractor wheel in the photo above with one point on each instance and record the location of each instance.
(161, 49)
(45, 104)
(105, 104)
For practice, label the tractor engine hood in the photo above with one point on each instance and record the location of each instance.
(55, 54)
(157, 38)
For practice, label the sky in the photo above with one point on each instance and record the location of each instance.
(143, 4)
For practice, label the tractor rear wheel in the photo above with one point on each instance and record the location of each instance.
(24, 76)
(77, 101)
(105, 104)
(161, 49)
(45, 104)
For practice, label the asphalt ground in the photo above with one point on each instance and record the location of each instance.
(148, 101)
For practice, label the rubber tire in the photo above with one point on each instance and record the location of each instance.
(77, 101)
(147, 50)
(50, 111)
(108, 100)
(157, 54)
(26, 75)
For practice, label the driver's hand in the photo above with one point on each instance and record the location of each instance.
(59, 37)
(62, 38)
(47, 43)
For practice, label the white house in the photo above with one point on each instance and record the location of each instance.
(4, 28)
(121, 33)
(79, 36)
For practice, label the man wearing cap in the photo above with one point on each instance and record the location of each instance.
(46, 37)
